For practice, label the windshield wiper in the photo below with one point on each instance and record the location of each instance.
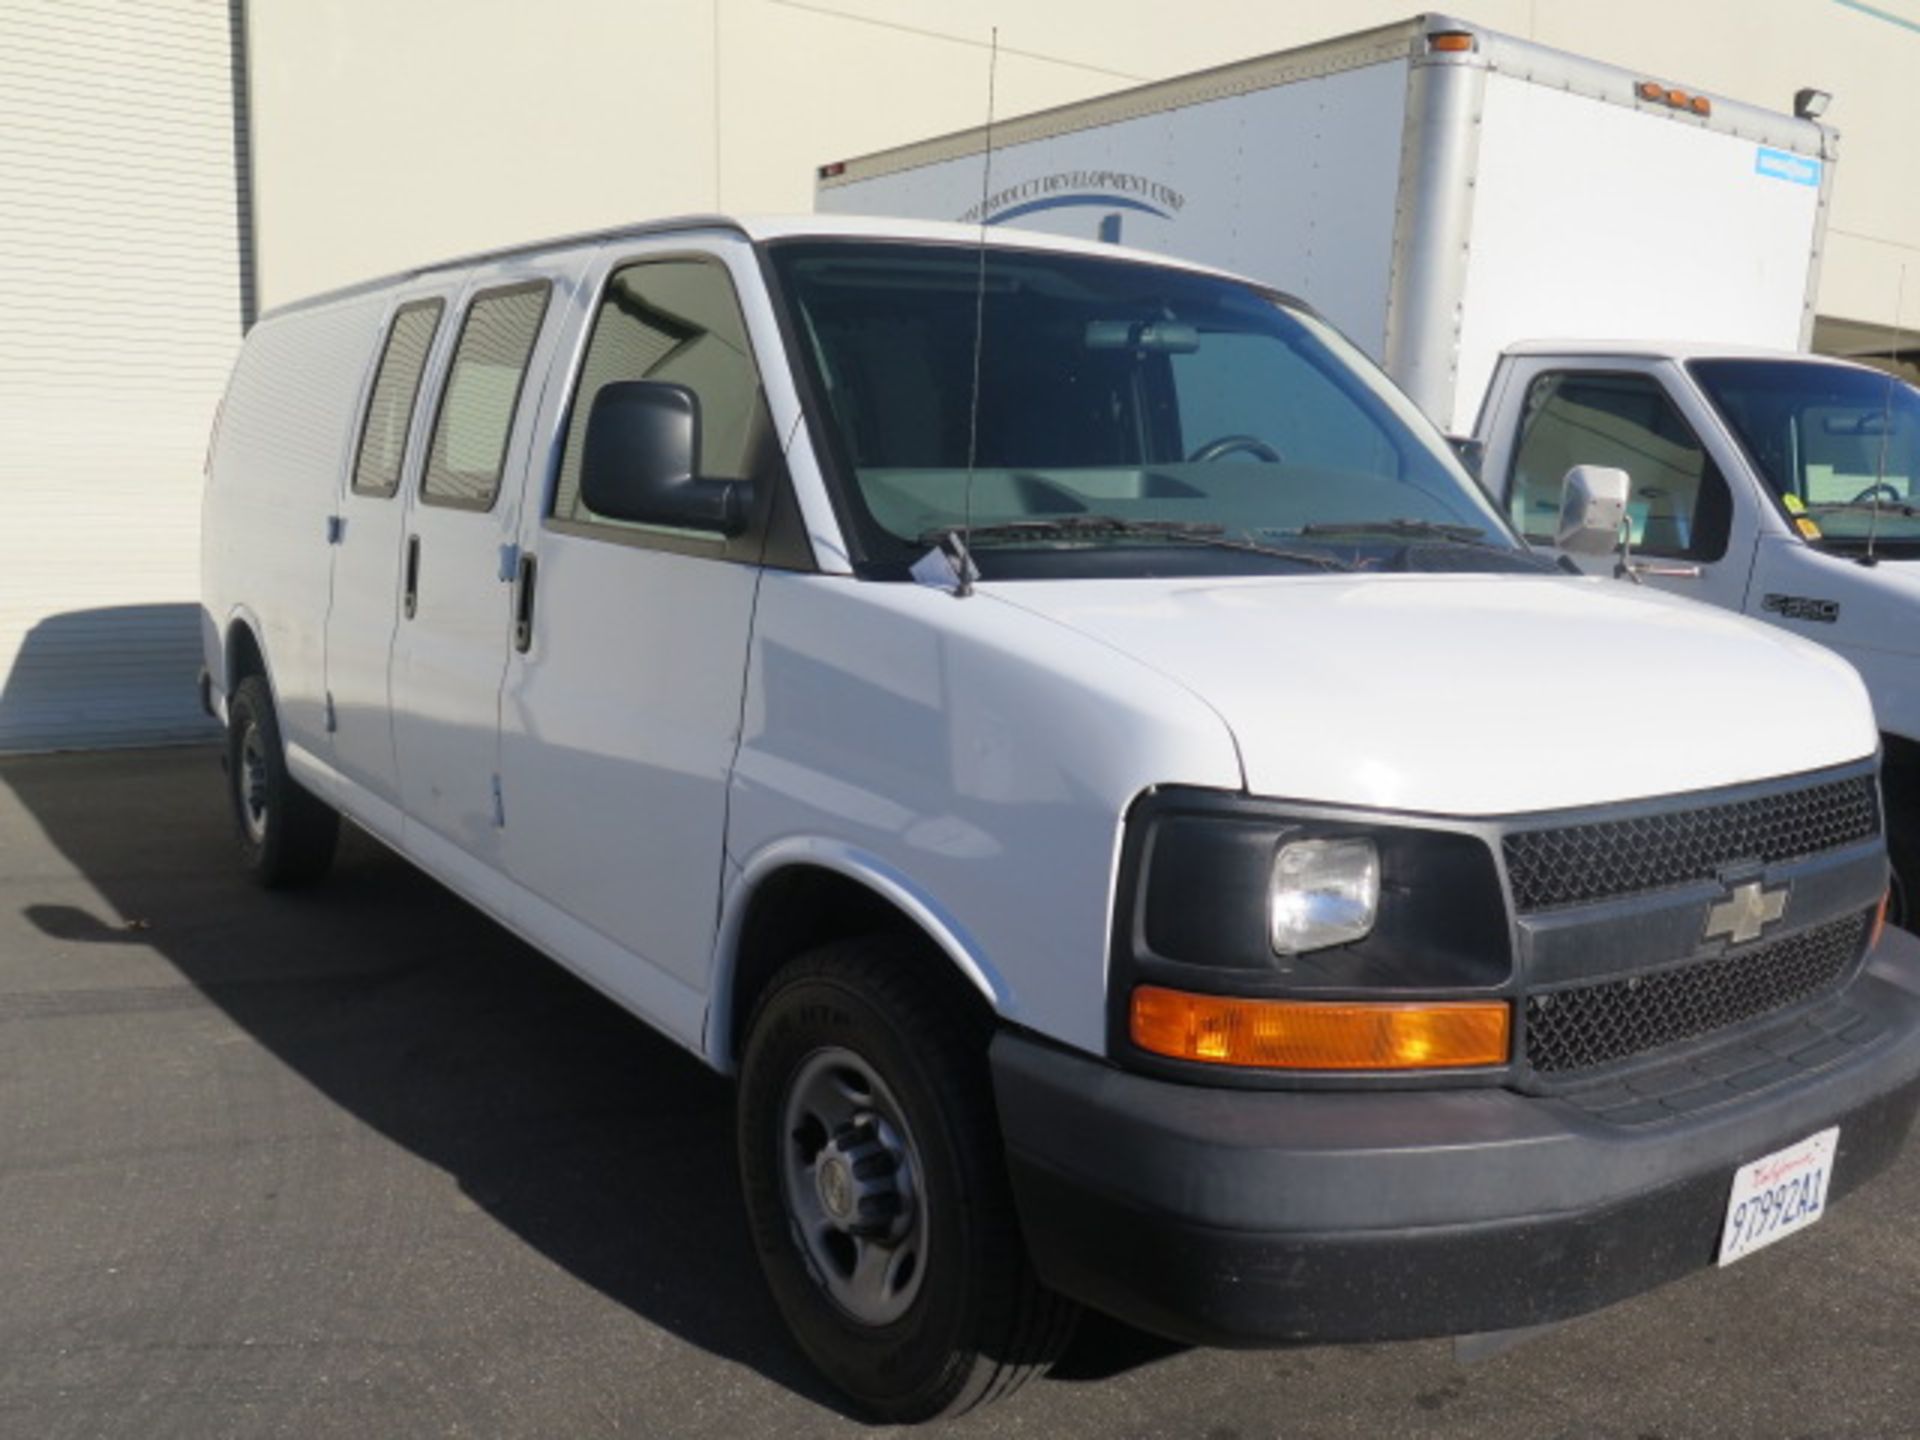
(1865, 507)
(1405, 529)
(1054, 525)
(1077, 527)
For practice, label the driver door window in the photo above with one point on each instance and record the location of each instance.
(1678, 506)
(677, 321)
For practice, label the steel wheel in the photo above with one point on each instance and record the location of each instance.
(849, 1173)
(253, 782)
(286, 835)
(871, 1160)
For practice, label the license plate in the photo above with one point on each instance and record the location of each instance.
(1778, 1194)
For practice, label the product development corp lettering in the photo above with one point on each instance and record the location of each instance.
(1077, 187)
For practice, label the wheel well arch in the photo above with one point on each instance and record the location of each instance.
(780, 911)
(1899, 757)
(244, 656)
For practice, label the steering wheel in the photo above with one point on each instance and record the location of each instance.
(1880, 488)
(1235, 445)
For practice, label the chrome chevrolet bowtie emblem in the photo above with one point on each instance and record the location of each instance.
(1747, 910)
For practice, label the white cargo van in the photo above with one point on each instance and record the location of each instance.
(1459, 202)
(1067, 733)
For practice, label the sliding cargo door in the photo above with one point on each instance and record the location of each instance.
(369, 527)
(455, 562)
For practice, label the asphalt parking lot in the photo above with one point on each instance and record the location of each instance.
(356, 1163)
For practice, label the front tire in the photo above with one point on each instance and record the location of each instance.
(1904, 891)
(287, 837)
(1903, 852)
(876, 1188)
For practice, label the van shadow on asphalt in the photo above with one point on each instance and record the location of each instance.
(590, 1137)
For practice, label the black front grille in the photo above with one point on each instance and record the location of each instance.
(1676, 847)
(1587, 1025)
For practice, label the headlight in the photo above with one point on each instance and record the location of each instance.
(1324, 892)
(1269, 916)
(1297, 900)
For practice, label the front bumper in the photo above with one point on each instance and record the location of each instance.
(1234, 1217)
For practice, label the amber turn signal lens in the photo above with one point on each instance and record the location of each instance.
(1450, 42)
(1320, 1034)
(1879, 922)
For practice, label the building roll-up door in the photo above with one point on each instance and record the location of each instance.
(125, 281)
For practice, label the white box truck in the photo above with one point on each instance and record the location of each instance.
(1458, 201)
(1436, 190)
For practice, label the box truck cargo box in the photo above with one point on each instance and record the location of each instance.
(1436, 189)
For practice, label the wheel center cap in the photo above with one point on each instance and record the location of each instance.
(836, 1187)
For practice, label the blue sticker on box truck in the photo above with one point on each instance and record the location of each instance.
(1783, 165)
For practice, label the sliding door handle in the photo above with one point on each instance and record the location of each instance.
(523, 604)
(410, 604)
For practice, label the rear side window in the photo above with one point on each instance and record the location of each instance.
(383, 435)
(481, 393)
(1678, 505)
(676, 321)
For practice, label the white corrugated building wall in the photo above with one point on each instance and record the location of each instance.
(124, 280)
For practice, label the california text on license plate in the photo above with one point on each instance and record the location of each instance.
(1778, 1194)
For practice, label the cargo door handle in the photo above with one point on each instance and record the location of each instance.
(411, 603)
(523, 604)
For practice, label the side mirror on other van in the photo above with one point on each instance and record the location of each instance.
(641, 461)
(1593, 507)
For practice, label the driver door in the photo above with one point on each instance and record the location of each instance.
(621, 710)
(1686, 527)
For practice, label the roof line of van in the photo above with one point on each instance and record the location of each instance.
(672, 225)
(756, 229)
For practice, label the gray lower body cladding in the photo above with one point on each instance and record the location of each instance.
(1238, 1217)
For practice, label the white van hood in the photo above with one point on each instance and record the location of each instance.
(1477, 694)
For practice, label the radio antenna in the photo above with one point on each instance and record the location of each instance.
(964, 560)
(1886, 420)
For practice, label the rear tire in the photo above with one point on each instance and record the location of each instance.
(287, 837)
(876, 1188)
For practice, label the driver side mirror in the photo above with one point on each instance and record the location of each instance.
(640, 461)
(1593, 507)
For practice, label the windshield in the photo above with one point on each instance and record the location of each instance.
(1840, 447)
(1132, 420)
